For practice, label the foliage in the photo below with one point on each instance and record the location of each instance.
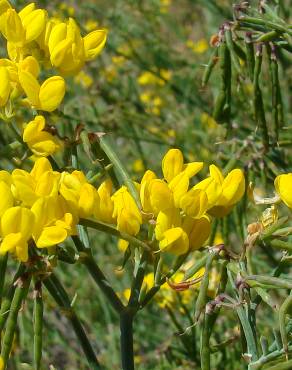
(146, 184)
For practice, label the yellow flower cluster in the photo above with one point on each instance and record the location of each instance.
(182, 215)
(34, 40)
(45, 205)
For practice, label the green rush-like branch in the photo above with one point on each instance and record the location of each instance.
(59, 294)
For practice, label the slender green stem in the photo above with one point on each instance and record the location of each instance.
(38, 325)
(246, 325)
(127, 351)
(19, 296)
(6, 300)
(265, 359)
(107, 148)
(112, 231)
(97, 275)
(210, 316)
(202, 297)
(138, 281)
(3, 265)
(59, 294)
(254, 280)
(282, 315)
(266, 23)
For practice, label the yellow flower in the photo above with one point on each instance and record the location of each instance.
(198, 230)
(16, 229)
(5, 86)
(149, 78)
(84, 79)
(208, 120)
(156, 196)
(194, 203)
(40, 182)
(198, 47)
(94, 43)
(4, 6)
(129, 218)
(7, 199)
(91, 25)
(49, 229)
(23, 27)
(179, 186)
(118, 60)
(46, 97)
(66, 47)
(40, 142)
(138, 165)
(173, 164)
(78, 193)
(175, 241)
(123, 245)
(233, 188)
(223, 193)
(283, 186)
(167, 220)
(218, 239)
(104, 205)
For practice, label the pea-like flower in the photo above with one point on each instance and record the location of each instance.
(128, 215)
(16, 230)
(41, 142)
(46, 97)
(175, 241)
(222, 192)
(283, 186)
(23, 27)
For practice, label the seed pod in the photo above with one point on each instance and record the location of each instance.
(249, 55)
(269, 36)
(259, 111)
(230, 45)
(210, 66)
(38, 325)
(221, 112)
(276, 93)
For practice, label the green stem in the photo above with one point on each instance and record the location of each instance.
(127, 351)
(59, 294)
(112, 231)
(202, 297)
(19, 296)
(266, 23)
(106, 147)
(97, 275)
(6, 300)
(267, 358)
(38, 325)
(3, 265)
(244, 319)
